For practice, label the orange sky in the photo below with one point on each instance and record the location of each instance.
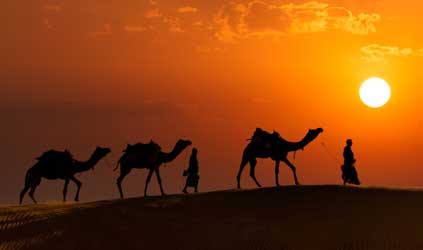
(77, 74)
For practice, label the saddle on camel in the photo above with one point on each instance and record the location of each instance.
(266, 139)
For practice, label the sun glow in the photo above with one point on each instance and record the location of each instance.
(375, 92)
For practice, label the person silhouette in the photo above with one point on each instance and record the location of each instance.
(348, 153)
(192, 172)
(349, 172)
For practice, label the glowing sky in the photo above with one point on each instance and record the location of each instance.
(76, 74)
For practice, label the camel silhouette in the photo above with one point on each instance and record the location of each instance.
(55, 165)
(148, 156)
(266, 145)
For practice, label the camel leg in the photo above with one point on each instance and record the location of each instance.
(23, 192)
(31, 193)
(26, 187)
(147, 181)
(78, 184)
(31, 179)
(292, 167)
(253, 163)
(277, 172)
(65, 189)
(123, 173)
(159, 180)
(241, 168)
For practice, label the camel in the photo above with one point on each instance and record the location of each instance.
(266, 145)
(147, 156)
(55, 165)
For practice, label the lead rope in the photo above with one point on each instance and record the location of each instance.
(330, 154)
(109, 164)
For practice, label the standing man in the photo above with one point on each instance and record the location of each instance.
(192, 172)
(349, 173)
(348, 153)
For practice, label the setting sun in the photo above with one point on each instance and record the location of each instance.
(375, 92)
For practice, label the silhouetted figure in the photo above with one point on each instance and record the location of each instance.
(192, 172)
(147, 156)
(266, 145)
(349, 173)
(55, 165)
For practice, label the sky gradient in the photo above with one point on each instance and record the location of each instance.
(77, 74)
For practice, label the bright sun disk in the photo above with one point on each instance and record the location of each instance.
(375, 92)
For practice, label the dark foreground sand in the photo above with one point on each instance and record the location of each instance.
(285, 218)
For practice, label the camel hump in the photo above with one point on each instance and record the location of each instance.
(54, 155)
(143, 147)
(260, 136)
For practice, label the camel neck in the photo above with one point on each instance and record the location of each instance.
(170, 156)
(83, 166)
(294, 146)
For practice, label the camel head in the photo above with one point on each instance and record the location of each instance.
(102, 151)
(183, 143)
(312, 134)
(316, 131)
(99, 153)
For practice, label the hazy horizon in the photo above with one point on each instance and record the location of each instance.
(75, 75)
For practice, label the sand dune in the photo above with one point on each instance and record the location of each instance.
(285, 218)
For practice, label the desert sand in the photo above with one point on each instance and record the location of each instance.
(283, 218)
